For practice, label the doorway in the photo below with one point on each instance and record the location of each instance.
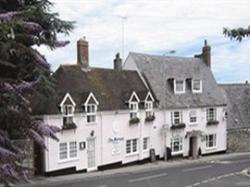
(193, 147)
(91, 153)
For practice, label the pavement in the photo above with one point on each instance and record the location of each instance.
(209, 171)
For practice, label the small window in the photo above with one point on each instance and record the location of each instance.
(146, 143)
(149, 108)
(211, 140)
(196, 85)
(68, 111)
(91, 113)
(193, 116)
(131, 146)
(133, 106)
(176, 117)
(179, 86)
(63, 152)
(176, 144)
(211, 114)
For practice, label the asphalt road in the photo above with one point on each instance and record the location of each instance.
(225, 172)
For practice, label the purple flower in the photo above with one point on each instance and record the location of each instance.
(31, 26)
(61, 43)
(37, 138)
(8, 16)
(6, 153)
(40, 59)
(25, 85)
(45, 130)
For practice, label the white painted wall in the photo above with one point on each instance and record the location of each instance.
(113, 124)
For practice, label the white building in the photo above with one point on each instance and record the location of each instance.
(114, 117)
(194, 106)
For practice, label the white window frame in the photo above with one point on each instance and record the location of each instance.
(193, 115)
(91, 113)
(145, 143)
(213, 141)
(148, 108)
(179, 141)
(211, 116)
(131, 146)
(134, 108)
(176, 118)
(68, 116)
(193, 86)
(69, 151)
(183, 87)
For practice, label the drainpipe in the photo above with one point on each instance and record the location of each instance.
(101, 159)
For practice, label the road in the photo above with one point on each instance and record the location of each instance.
(225, 172)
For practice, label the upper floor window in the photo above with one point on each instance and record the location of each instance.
(176, 117)
(91, 113)
(211, 114)
(197, 86)
(91, 104)
(193, 116)
(68, 111)
(133, 106)
(149, 108)
(179, 86)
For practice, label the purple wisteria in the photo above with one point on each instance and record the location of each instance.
(61, 43)
(8, 16)
(31, 26)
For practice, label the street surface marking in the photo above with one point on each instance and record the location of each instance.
(147, 178)
(104, 185)
(213, 179)
(197, 168)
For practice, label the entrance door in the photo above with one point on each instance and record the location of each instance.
(91, 154)
(193, 147)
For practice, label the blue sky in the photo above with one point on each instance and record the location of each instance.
(156, 27)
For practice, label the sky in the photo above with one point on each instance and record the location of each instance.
(156, 27)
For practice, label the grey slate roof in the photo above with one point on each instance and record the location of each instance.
(111, 88)
(159, 71)
(238, 109)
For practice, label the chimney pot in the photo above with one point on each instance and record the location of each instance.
(117, 62)
(83, 52)
(206, 54)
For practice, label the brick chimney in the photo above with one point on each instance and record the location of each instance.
(206, 54)
(83, 52)
(117, 62)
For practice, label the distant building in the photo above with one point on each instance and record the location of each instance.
(238, 116)
(111, 117)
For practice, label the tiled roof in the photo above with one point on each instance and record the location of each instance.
(159, 71)
(238, 97)
(111, 88)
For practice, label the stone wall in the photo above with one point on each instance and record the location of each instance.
(238, 140)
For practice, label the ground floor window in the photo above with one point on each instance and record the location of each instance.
(67, 150)
(131, 146)
(176, 144)
(146, 143)
(211, 140)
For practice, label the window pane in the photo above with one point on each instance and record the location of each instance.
(197, 85)
(134, 144)
(128, 146)
(145, 143)
(179, 86)
(72, 149)
(63, 151)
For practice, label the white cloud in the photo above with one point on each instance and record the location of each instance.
(155, 25)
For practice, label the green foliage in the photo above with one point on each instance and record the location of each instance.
(24, 72)
(237, 33)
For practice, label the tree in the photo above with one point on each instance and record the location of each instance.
(24, 72)
(237, 33)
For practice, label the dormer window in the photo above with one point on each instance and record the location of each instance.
(91, 105)
(67, 109)
(179, 86)
(91, 113)
(133, 106)
(149, 108)
(197, 86)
